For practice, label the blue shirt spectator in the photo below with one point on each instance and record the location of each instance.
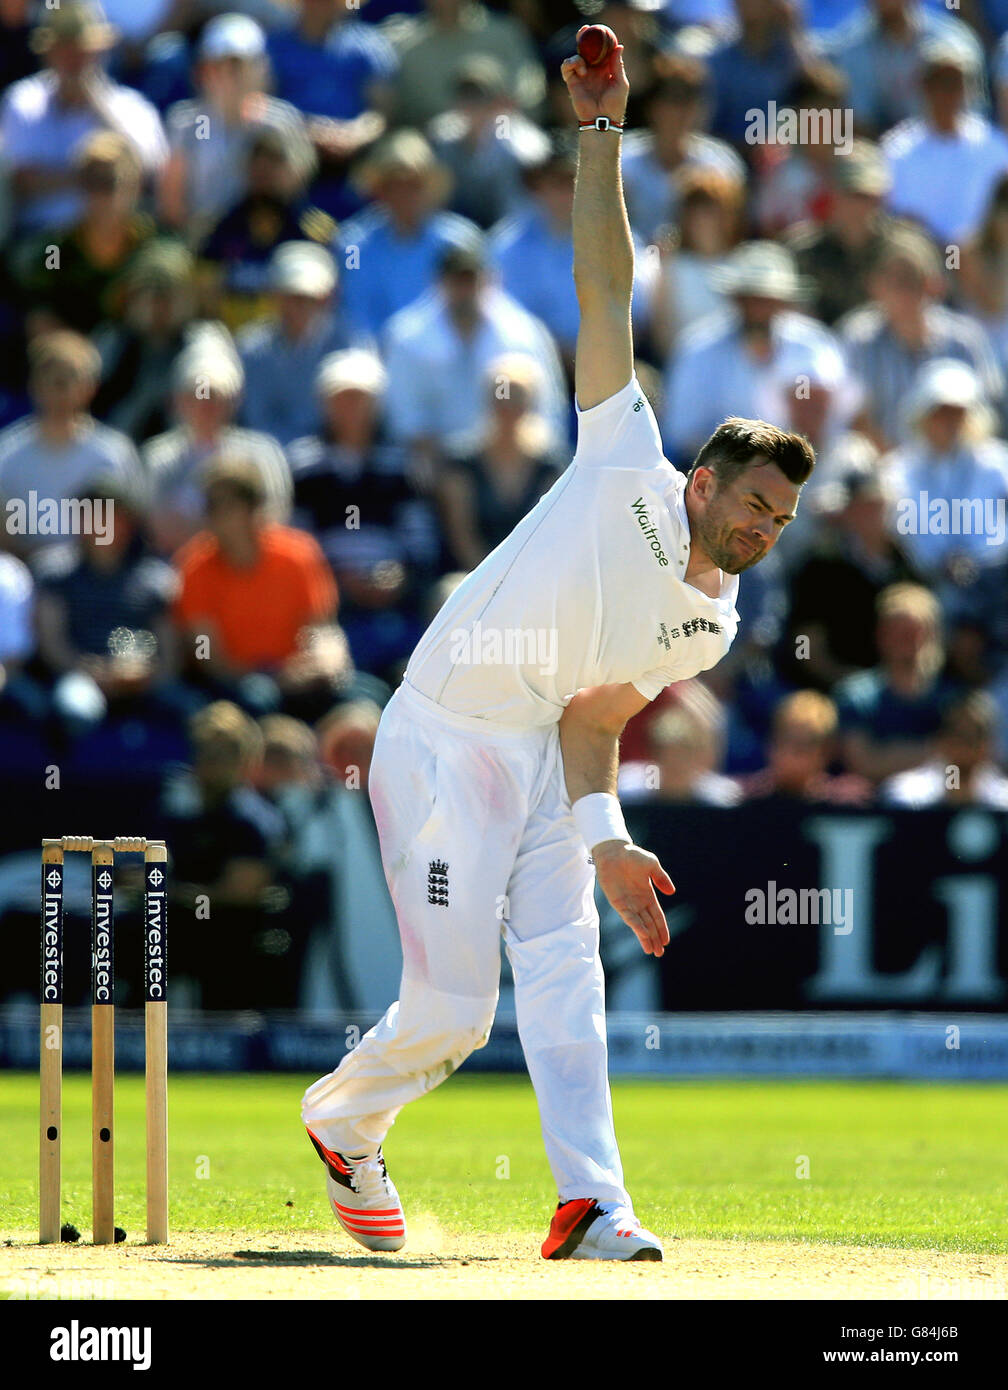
(390, 251)
(756, 62)
(333, 72)
(485, 143)
(533, 251)
(880, 51)
(282, 355)
(726, 363)
(438, 351)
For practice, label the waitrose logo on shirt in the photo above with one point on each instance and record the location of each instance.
(644, 512)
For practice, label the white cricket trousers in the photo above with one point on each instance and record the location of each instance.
(477, 838)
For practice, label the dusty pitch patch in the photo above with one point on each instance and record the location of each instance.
(436, 1265)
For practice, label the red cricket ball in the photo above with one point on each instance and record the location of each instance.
(595, 43)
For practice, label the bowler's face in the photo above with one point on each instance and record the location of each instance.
(741, 521)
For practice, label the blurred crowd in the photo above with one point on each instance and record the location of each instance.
(286, 300)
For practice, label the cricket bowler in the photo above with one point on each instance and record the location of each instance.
(493, 781)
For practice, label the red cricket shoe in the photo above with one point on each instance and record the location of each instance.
(583, 1229)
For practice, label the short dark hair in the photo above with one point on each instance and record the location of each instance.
(736, 444)
(240, 477)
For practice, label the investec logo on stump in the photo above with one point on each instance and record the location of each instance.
(103, 937)
(51, 944)
(76, 1343)
(154, 982)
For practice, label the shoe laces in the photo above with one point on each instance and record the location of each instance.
(620, 1214)
(370, 1180)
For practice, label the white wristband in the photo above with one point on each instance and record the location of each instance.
(599, 817)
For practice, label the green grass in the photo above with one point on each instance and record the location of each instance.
(917, 1166)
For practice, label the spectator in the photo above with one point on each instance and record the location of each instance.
(835, 257)
(695, 256)
(210, 136)
(47, 459)
(800, 752)
(950, 482)
(71, 279)
(810, 390)
(391, 249)
(889, 716)
(483, 497)
(656, 160)
(725, 362)
(353, 493)
(964, 772)
(262, 599)
(347, 739)
(20, 696)
(830, 629)
(983, 281)
(945, 163)
(44, 118)
(903, 326)
(226, 843)
(686, 743)
(207, 380)
(335, 847)
(235, 254)
(879, 49)
(431, 47)
(340, 73)
(484, 143)
(794, 182)
(758, 59)
(18, 57)
(533, 252)
(103, 618)
(290, 757)
(438, 351)
(282, 355)
(138, 353)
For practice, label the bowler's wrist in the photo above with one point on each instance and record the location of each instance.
(599, 819)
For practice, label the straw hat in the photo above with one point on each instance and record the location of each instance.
(402, 152)
(81, 22)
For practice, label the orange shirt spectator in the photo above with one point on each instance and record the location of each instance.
(255, 611)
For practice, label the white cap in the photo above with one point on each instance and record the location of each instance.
(232, 36)
(761, 268)
(945, 381)
(353, 369)
(302, 267)
(209, 360)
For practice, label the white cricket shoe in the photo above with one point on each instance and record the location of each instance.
(584, 1229)
(363, 1198)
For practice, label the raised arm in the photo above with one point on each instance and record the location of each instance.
(603, 249)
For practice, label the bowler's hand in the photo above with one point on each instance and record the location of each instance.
(628, 876)
(598, 91)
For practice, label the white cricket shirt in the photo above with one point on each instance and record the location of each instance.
(587, 590)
